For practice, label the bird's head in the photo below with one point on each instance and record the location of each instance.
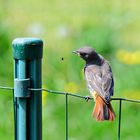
(87, 53)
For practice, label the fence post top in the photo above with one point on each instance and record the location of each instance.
(27, 48)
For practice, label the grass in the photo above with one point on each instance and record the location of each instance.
(108, 26)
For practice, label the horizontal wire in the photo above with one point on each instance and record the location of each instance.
(70, 94)
(125, 99)
(6, 88)
(58, 92)
(80, 96)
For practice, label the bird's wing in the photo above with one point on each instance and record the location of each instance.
(107, 81)
(93, 77)
(100, 80)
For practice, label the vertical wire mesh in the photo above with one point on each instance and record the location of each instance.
(66, 111)
(119, 122)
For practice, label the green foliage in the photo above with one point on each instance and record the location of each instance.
(4, 40)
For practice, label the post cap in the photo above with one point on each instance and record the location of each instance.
(27, 48)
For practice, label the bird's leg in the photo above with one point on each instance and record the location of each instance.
(87, 98)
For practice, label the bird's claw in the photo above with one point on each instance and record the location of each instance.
(87, 98)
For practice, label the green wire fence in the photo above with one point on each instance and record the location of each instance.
(66, 94)
(27, 91)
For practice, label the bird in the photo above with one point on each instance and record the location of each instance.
(99, 78)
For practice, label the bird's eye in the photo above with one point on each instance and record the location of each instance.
(83, 54)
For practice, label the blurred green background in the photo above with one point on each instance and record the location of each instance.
(112, 27)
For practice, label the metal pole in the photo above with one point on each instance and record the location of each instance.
(35, 102)
(22, 102)
(27, 53)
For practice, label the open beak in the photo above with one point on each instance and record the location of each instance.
(76, 52)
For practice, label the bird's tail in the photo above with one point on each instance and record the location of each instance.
(103, 111)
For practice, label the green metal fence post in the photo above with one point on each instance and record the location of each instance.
(28, 53)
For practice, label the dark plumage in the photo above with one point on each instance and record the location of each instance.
(99, 78)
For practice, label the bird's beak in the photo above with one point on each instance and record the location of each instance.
(76, 52)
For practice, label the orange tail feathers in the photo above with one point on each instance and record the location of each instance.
(103, 111)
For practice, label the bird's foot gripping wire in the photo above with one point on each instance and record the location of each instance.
(87, 98)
